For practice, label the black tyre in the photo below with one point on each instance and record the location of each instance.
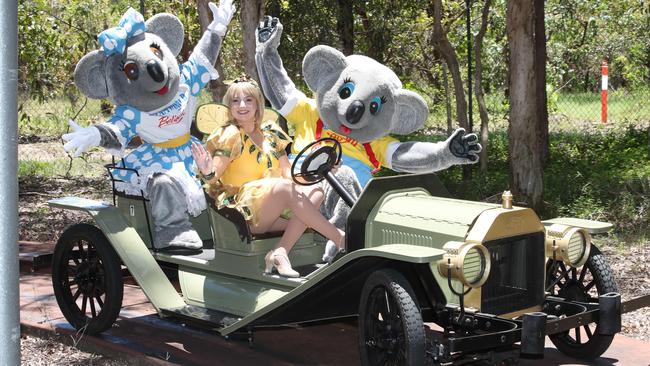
(391, 331)
(583, 284)
(87, 279)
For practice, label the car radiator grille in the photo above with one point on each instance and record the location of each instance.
(516, 280)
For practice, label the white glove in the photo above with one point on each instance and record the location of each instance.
(81, 138)
(221, 16)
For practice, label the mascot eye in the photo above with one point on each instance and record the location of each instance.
(347, 89)
(131, 71)
(375, 105)
(155, 48)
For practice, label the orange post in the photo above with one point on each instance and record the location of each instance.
(603, 95)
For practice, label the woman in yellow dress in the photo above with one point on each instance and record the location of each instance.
(246, 168)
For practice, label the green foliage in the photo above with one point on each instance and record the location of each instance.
(49, 46)
(61, 167)
(583, 33)
(54, 35)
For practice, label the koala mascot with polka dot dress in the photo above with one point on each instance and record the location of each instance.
(155, 99)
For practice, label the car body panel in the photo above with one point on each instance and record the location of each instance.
(226, 280)
(594, 227)
(269, 299)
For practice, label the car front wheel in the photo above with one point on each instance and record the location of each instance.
(391, 331)
(87, 279)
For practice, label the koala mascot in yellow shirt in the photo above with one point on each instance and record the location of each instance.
(359, 102)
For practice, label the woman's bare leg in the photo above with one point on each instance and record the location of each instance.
(279, 224)
(304, 202)
(307, 211)
(296, 227)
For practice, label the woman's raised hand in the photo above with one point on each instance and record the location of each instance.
(202, 158)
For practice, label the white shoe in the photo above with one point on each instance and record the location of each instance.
(331, 250)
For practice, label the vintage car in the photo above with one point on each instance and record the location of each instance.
(483, 277)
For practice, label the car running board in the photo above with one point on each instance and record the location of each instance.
(202, 317)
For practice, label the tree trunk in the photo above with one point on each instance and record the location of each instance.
(250, 16)
(375, 35)
(478, 86)
(445, 78)
(345, 26)
(440, 42)
(217, 87)
(526, 174)
(540, 75)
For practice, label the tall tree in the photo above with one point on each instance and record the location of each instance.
(540, 78)
(251, 13)
(525, 153)
(478, 86)
(345, 26)
(439, 40)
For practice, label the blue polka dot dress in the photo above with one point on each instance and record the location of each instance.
(165, 135)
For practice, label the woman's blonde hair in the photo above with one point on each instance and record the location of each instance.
(247, 89)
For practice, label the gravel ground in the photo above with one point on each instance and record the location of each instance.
(49, 352)
(631, 267)
(630, 264)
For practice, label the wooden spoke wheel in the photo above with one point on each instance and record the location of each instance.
(87, 279)
(584, 284)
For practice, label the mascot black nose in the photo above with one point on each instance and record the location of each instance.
(155, 71)
(355, 112)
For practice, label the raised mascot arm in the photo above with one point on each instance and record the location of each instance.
(210, 43)
(276, 84)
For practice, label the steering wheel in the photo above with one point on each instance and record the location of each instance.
(318, 163)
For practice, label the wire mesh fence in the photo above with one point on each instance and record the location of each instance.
(622, 106)
(566, 110)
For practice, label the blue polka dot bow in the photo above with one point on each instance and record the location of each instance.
(113, 40)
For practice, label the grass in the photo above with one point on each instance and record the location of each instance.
(61, 168)
(50, 118)
(566, 110)
(622, 106)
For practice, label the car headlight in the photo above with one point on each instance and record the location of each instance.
(467, 262)
(568, 244)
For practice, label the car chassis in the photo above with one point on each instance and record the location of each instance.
(389, 255)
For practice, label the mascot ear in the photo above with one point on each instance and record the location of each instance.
(169, 28)
(90, 75)
(410, 114)
(322, 66)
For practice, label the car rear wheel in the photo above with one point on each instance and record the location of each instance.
(583, 284)
(391, 331)
(87, 279)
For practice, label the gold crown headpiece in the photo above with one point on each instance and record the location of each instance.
(245, 79)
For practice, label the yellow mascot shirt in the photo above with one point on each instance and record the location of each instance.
(303, 117)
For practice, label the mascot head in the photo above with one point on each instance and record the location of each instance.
(137, 63)
(359, 97)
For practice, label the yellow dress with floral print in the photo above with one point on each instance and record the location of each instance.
(253, 170)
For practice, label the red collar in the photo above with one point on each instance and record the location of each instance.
(366, 146)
